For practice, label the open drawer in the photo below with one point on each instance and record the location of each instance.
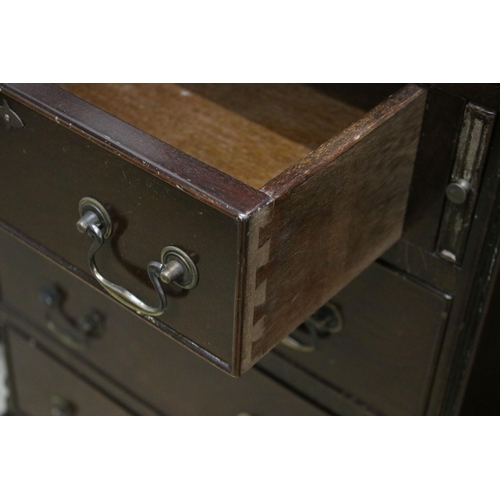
(303, 192)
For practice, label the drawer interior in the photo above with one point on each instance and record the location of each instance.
(252, 132)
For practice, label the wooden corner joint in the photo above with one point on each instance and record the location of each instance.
(258, 254)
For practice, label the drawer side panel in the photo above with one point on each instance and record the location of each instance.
(335, 212)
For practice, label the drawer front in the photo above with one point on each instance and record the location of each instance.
(51, 168)
(42, 386)
(378, 341)
(136, 356)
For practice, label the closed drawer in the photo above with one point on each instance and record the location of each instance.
(307, 190)
(377, 340)
(125, 349)
(42, 386)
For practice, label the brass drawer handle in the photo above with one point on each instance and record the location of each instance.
(297, 345)
(325, 321)
(176, 266)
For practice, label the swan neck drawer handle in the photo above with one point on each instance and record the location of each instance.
(175, 265)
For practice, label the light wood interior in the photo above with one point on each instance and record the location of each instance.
(252, 132)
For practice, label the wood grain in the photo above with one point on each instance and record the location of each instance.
(335, 212)
(308, 232)
(174, 167)
(298, 112)
(197, 126)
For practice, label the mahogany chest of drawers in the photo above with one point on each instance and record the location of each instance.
(247, 249)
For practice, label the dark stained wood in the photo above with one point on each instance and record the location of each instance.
(135, 354)
(307, 385)
(296, 111)
(433, 165)
(130, 352)
(335, 212)
(415, 251)
(360, 95)
(171, 380)
(471, 295)
(486, 94)
(254, 252)
(479, 295)
(208, 184)
(37, 379)
(386, 353)
(203, 129)
(14, 322)
(159, 371)
(427, 266)
(50, 169)
(471, 155)
(482, 396)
